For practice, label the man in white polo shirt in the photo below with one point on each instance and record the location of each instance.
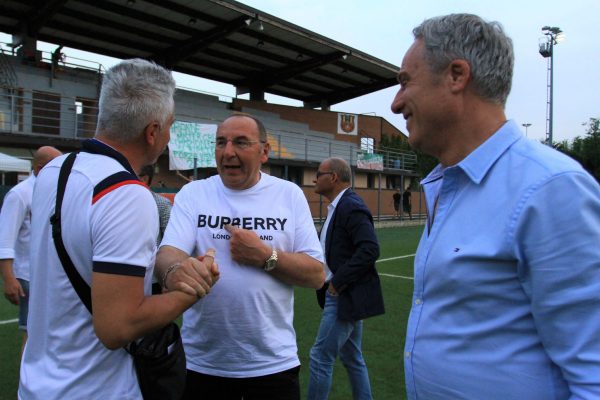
(15, 221)
(109, 228)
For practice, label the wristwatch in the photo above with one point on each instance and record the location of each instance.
(271, 262)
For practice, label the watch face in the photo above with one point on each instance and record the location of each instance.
(270, 264)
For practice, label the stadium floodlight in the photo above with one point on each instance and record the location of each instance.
(553, 35)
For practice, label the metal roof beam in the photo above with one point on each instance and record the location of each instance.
(318, 83)
(85, 46)
(349, 67)
(201, 41)
(42, 11)
(138, 16)
(109, 38)
(297, 86)
(145, 31)
(190, 12)
(11, 13)
(339, 96)
(274, 76)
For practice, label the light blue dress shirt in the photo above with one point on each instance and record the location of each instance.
(506, 301)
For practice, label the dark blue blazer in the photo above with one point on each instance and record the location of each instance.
(351, 249)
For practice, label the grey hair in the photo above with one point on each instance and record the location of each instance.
(134, 93)
(484, 45)
(341, 168)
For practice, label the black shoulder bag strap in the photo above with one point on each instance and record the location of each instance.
(81, 287)
(159, 358)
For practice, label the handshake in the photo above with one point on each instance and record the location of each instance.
(194, 276)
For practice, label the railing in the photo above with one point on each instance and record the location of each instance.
(71, 62)
(64, 61)
(46, 114)
(397, 159)
(392, 159)
(296, 146)
(49, 114)
(8, 77)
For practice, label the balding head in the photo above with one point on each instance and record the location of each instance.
(43, 156)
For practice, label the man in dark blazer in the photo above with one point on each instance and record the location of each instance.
(352, 291)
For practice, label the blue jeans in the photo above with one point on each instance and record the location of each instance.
(23, 305)
(343, 338)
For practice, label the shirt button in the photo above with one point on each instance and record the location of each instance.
(407, 354)
(418, 301)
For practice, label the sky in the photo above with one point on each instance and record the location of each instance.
(383, 29)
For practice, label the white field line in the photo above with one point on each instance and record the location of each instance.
(9, 321)
(396, 258)
(397, 276)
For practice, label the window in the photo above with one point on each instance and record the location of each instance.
(287, 172)
(86, 114)
(393, 181)
(45, 113)
(371, 181)
(367, 144)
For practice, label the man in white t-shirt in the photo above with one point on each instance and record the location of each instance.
(109, 226)
(240, 341)
(15, 220)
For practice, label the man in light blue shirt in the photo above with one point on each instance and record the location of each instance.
(506, 301)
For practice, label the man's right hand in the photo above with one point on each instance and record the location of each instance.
(13, 291)
(194, 276)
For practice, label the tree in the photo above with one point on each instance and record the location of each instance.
(425, 163)
(586, 149)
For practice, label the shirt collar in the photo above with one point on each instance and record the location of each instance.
(477, 164)
(436, 173)
(96, 146)
(335, 201)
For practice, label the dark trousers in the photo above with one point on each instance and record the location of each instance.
(283, 385)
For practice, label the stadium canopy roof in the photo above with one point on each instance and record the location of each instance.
(13, 164)
(221, 40)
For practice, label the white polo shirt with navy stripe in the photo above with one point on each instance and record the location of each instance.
(109, 225)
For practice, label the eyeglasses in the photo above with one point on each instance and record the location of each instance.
(238, 143)
(319, 173)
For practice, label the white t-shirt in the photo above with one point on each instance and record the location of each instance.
(112, 222)
(15, 221)
(243, 328)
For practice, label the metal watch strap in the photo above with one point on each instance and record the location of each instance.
(271, 262)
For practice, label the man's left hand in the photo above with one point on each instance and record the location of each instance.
(13, 291)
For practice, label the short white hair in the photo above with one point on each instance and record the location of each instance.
(134, 93)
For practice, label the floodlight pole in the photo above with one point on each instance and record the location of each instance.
(547, 51)
(526, 125)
